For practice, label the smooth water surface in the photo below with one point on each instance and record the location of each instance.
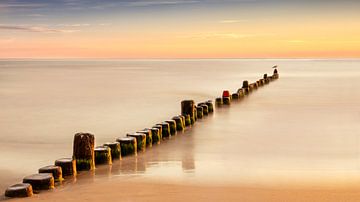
(302, 128)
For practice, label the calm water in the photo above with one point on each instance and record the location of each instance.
(302, 128)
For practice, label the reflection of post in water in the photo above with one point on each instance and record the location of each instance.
(141, 163)
(132, 164)
(187, 161)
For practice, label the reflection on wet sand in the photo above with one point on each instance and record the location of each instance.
(176, 151)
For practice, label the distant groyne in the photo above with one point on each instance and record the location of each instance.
(87, 155)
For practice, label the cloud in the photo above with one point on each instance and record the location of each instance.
(37, 15)
(22, 5)
(35, 29)
(230, 21)
(158, 3)
(218, 35)
(75, 25)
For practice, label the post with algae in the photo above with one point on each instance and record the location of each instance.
(83, 152)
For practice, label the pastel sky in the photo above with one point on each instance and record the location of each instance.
(179, 29)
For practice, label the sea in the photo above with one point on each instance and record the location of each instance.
(301, 129)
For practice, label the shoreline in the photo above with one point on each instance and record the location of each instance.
(150, 190)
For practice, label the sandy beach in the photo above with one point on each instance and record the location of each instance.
(151, 191)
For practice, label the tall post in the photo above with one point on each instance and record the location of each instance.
(83, 152)
(188, 108)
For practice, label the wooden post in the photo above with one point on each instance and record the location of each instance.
(19, 190)
(83, 152)
(188, 108)
(128, 145)
(41, 181)
(68, 166)
(56, 171)
(115, 150)
(103, 155)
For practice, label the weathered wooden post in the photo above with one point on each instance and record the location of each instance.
(159, 126)
(68, 166)
(172, 125)
(147, 132)
(241, 92)
(235, 96)
(179, 123)
(19, 190)
(182, 120)
(103, 155)
(156, 138)
(83, 153)
(199, 112)
(219, 101)
(205, 109)
(56, 171)
(188, 108)
(165, 130)
(115, 150)
(226, 100)
(128, 145)
(210, 106)
(140, 139)
(275, 74)
(267, 80)
(41, 181)
(187, 120)
(245, 86)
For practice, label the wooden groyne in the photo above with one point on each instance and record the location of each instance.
(86, 156)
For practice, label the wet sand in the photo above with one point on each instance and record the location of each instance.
(140, 190)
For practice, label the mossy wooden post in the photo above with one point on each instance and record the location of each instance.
(156, 138)
(226, 100)
(210, 106)
(245, 86)
(188, 108)
(140, 139)
(241, 92)
(172, 125)
(165, 130)
(219, 101)
(205, 109)
(19, 190)
(199, 111)
(56, 171)
(179, 123)
(103, 155)
(41, 181)
(235, 96)
(262, 82)
(128, 145)
(195, 114)
(159, 126)
(267, 80)
(68, 166)
(148, 134)
(275, 74)
(182, 120)
(83, 152)
(115, 150)
(187, 120)
(255, 85)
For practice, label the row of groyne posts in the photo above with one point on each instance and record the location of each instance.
(86, 155)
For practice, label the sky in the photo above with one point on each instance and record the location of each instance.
(179, 29)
